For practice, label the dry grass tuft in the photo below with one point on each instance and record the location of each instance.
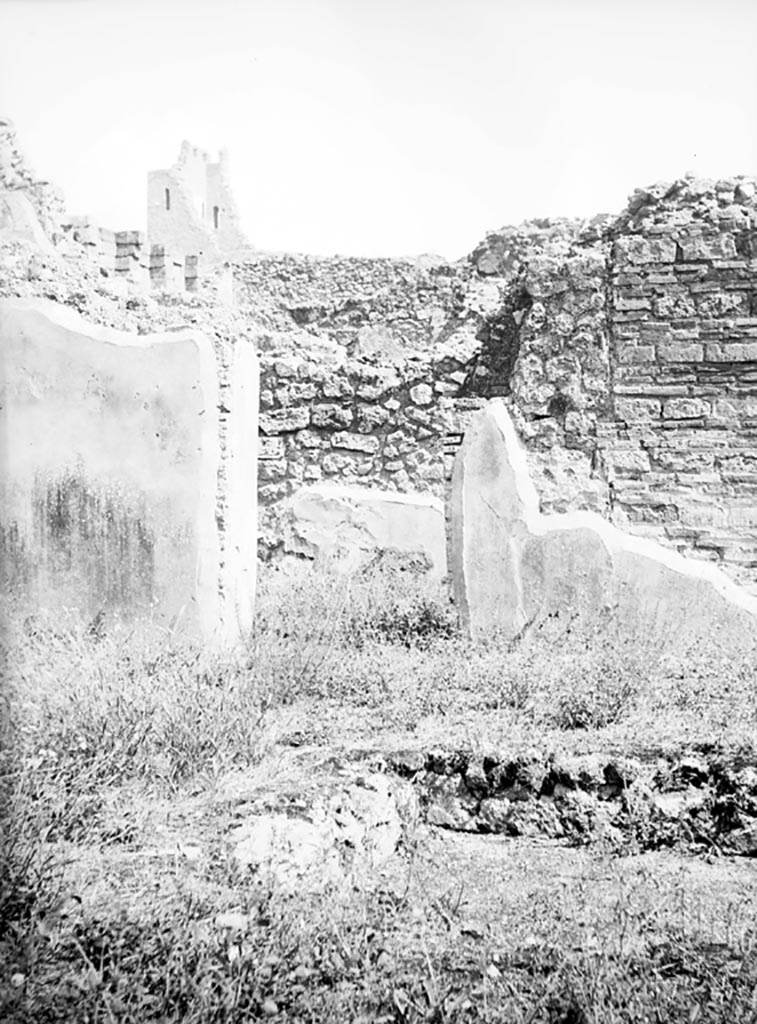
(91, 718)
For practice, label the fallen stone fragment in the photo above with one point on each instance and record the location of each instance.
(352, 827)
(743, 841)
(512, 566)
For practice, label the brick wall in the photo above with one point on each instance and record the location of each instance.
(681, 448)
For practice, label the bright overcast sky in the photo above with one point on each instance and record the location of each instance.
(382, 127)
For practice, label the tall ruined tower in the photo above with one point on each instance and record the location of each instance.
(191, 209)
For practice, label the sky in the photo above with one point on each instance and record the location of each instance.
(382, 127)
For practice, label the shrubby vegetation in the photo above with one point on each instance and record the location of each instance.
(106, 733)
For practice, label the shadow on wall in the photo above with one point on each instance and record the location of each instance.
(96, 537)
(491, 369)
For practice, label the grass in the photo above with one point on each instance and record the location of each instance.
(116, 753)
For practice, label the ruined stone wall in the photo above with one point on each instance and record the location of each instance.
(351, 421)
(362, 366)
(682, 448)
(625, 347)
(635, 379)
(371, 369)
(191, 209)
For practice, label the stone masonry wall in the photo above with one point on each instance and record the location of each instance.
(362, 366)
(626, 348)
(635, 383)
(682, 448)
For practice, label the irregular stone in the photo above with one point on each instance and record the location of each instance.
(337, 387)
(271, 448)
(284, 421)
(110, 498)
(680, 352)
(309, 439)
(512, 565)
(743, 841)
(370, 417)
(334, 463)
(677, 804)
(449, 803)
(637, 249)
(350, 525)
(422, 394)
(329, 415)
(377, 383)
(638, 410)
(529, 817)
(685, 408)
(715, 247)
(352, 827)
(355, 442)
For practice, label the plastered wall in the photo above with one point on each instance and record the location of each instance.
(122, 492)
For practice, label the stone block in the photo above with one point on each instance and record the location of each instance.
(378, 383)
(338, 387)
(634, 355)
(512, 566)
(421, 394)
(284, 421)
(328, 415)
(335, 464)
(638, 249)
(349, 526)
(712, 247)
(637, 410)
(735, 407)
(355, 442)
(685, 408)
(272, 469)
(732, 352)
(678, 461)
(680, 352)
(635, 460)
(270, 448)
(130, 238)
(310, 439)
(743, 516)
(369, 417)
(110, 485)
(624, 302)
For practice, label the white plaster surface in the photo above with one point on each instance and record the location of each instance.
(351, 524)
(511, 565)
(241, 484)
(110, 471)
